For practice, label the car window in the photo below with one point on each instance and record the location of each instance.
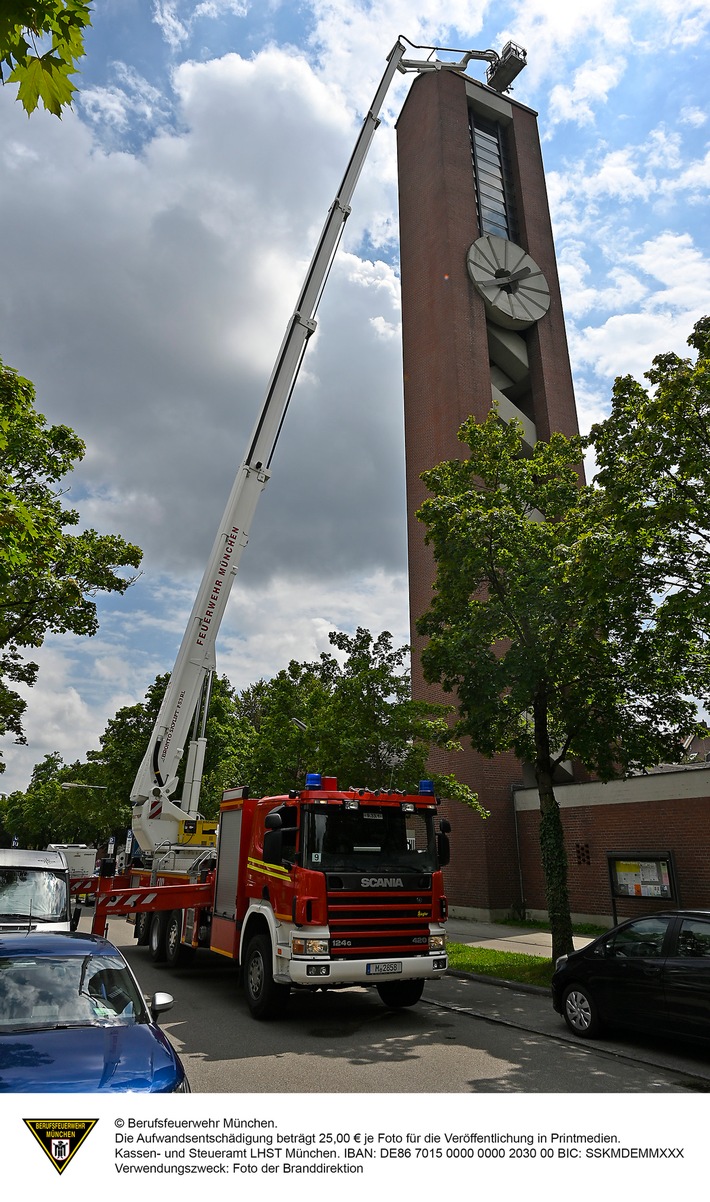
(44, 991)
(694, 939)
(642, 939)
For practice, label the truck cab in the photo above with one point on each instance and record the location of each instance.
(34, 891)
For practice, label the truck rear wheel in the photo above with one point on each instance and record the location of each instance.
(397, 994)
(176, 952)
(158, 930)
(142, 928)
(265, 998)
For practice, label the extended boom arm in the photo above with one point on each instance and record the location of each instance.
(155, 817)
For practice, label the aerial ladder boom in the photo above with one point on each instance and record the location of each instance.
(155, 816)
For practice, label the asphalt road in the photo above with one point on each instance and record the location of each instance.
(464, 1036)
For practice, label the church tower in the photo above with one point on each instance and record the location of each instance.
(481, 321)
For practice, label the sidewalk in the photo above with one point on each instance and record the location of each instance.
(505, 938)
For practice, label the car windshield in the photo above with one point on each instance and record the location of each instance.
(371, 837)
(33, 893)
(48, 992)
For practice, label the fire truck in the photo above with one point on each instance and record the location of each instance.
(319, 888)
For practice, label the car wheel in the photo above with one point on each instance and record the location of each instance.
(580, 1011)
(156, 940)
(265, 998)
(397, 994)
(177, 953)
(142, 929)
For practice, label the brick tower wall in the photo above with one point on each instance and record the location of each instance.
(447, 378)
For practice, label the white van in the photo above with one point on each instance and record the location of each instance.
(34, 891)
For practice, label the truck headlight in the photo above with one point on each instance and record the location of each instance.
(437, 943)
(310, 947)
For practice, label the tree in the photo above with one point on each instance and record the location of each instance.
(544, 624)
(48, 577)
(62, 804)
(653, 456)
(25, 25)
(352, 718)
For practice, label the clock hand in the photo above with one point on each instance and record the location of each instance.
(501, 280)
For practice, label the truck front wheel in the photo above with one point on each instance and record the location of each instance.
(397, 994)
(265, 998)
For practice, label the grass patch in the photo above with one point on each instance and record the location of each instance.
(508, 966)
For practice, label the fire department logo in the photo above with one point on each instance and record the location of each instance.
(60, 1139)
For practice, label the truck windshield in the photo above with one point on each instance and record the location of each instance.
(36, 893)
(377, 837)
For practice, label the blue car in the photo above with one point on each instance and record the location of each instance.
(73, 1020)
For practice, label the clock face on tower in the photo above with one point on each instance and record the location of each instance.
(513, 288)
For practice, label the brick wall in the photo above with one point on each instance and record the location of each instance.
(681, 826)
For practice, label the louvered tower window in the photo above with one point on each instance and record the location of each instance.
(491, 169)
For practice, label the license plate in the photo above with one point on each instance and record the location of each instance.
(384, 966)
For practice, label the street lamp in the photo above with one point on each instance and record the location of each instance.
(72, 784)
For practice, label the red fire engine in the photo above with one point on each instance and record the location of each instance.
(319, 889)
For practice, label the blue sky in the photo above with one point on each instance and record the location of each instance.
(154, 241)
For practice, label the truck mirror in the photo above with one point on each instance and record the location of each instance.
(75, 919)
(273, 846)
(443, 849)
(273, 821)
(444, 826)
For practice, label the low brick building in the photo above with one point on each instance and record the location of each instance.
(663, 813)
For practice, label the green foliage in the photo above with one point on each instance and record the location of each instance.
(42, 71)
(549, 631)
(653, 456)
(48, 577)
(47, 812)
(356, 721)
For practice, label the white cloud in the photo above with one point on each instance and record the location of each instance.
(590, 87)
(129, 100)
(584, 291)
(692, 115)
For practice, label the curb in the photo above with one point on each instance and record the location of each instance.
(518, 986)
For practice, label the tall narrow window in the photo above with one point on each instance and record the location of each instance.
(491, 171)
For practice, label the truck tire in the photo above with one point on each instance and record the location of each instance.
(265, 998)
(156, 940)
(397, 994)
(177, 954)
(142, 928)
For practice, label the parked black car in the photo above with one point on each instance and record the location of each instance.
(650, 973)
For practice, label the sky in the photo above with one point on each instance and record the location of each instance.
(153, 243)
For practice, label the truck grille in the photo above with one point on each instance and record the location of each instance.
(378, 924)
